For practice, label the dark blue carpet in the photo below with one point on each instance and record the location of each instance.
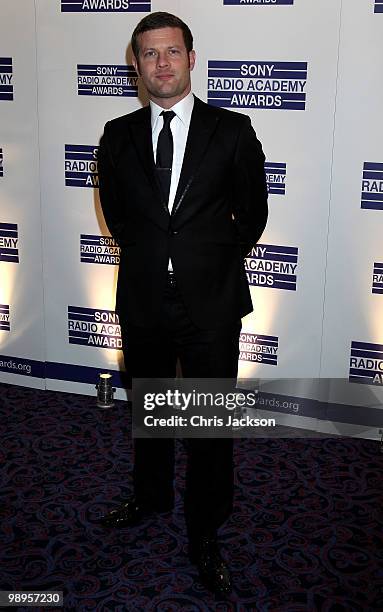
(306, 533)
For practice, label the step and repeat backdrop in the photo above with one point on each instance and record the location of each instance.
(308, 74)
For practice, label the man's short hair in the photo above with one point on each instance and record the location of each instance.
(155, 21)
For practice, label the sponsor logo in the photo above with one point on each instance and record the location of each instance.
(107, 80)
(5, 323)
(105, 6)
(366, 363)
(372, 186)
(257, 84)
(272, 266)
(257, 2)
(6, 78)
(276, 177)
(94, 327)
(262, 349)
(81, 166)
(377, 278)
(9, 240)
(99, 250)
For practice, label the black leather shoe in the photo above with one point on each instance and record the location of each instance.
(130, 513)
(213, 571)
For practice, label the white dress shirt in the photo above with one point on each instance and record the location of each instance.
(179, 126)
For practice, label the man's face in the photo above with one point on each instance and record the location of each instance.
(164, 65)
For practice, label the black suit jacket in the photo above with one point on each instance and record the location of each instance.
(219, 213)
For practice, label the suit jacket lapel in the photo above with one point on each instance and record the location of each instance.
(141, 132)
(202, 127)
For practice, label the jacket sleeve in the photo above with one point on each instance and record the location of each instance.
(108, 188)
(250, 209)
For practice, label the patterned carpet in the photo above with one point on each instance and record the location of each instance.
(306, 533)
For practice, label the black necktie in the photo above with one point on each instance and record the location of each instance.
(164, 157)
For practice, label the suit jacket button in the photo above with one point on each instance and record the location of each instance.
(174, 232)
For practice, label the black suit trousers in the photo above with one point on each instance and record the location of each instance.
(153, 352)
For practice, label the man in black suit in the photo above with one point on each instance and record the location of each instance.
(183, 191)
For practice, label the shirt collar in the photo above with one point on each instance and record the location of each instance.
(183, 110)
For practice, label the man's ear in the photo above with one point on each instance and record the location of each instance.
(136, 64)
(191, 59)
